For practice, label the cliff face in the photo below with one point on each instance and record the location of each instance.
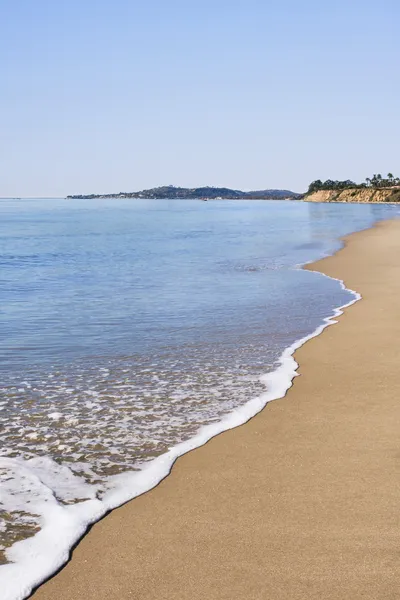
(355, 195)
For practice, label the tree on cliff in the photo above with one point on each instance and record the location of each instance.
(377, 181)
(329, 184)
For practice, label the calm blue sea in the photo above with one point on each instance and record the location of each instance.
(127, 326)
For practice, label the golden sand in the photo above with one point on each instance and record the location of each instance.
(303, 501)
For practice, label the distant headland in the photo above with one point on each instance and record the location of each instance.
(200, 193)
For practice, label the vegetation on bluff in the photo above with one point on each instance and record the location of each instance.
(375, 189)
(376, 182)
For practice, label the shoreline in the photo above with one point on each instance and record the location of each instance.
(277, 384)
(65, 584)
(42, 566)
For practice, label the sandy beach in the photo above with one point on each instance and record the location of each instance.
(302, 502)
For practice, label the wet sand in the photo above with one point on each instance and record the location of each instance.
(303, 501)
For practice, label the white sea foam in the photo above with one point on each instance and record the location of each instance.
(41, 488)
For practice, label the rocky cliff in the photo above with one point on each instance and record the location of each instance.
(355, 195)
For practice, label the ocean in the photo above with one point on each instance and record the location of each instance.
(133, 331)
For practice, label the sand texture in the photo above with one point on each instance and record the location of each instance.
(302, 502)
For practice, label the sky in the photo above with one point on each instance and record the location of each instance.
(101, 96)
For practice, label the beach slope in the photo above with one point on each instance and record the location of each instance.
(303, 501)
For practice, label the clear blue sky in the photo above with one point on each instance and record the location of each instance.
(108, 96)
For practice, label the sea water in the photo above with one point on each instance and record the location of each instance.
(133, 331)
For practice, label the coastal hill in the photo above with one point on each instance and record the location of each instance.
(375, 189)
(202, 193)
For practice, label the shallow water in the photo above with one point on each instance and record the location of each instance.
(127, 325)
